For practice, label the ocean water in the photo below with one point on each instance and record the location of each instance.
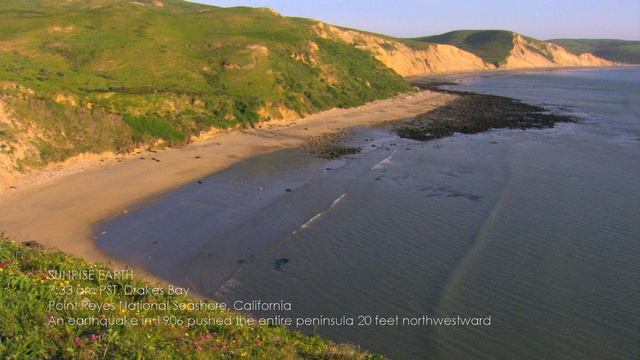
(538, 229)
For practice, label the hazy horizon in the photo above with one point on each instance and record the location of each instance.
(545, 19)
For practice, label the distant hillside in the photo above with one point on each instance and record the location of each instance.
(405, 56)
(615, 50)
(92, 76)
(109, 75)
(509, 50)
(460, 51)
(493, 46)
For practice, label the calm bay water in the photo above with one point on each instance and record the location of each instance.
(539, 229)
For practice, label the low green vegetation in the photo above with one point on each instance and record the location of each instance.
(623, 51)
(493, 46)
(114, 75)
(153, 127)
(118, 74)
(29, 328)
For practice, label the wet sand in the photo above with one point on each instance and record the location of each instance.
(62, 212)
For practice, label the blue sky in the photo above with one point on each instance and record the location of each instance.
(542, 19)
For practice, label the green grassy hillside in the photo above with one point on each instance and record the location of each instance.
(29, 327)
(97, 75)
(493, 46)
(616, 50)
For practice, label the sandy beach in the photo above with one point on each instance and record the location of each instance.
(61, 211)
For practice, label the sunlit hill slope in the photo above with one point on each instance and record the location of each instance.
(93, 76)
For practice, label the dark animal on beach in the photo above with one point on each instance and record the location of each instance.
(33, 244)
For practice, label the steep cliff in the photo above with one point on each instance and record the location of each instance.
(408, 59)
(509, 50)
(531, 53)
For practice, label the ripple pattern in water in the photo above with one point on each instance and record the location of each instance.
(538, 229)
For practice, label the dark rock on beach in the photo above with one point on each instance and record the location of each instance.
(328, 146)
(280, 263)
(473, 113)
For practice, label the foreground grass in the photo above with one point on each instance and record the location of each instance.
(27, 289)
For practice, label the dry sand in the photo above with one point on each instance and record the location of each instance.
(60, 212)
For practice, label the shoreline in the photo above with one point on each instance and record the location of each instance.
(61, 213)
(61, 206)
(35, 178)
(497, 72)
